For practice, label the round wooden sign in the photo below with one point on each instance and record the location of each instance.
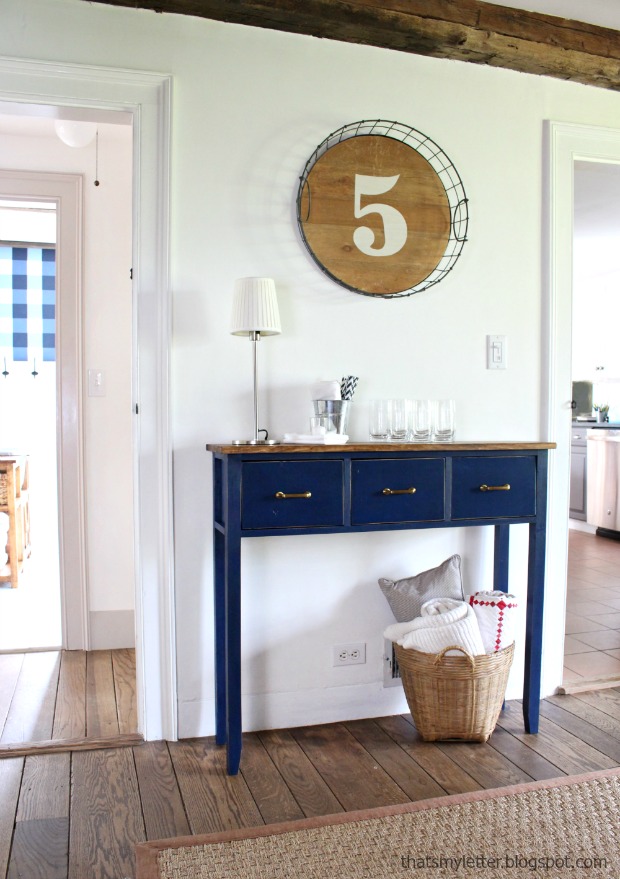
(375, 212)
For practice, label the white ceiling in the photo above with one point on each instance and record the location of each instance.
(605, 13)
(37, 120)
(30, 120)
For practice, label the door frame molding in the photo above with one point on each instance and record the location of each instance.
(564, 143)
(147, 96)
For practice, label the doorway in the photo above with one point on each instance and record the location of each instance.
(30, 601)
(592, 642)
(147, 97)
(95, 457)
(95, 338)
(565, 144)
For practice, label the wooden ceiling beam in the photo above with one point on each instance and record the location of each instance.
(463, 30)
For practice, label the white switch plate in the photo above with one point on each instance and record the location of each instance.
(96, 383)
(496, 352)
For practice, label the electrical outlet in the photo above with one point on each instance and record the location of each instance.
(349, 654)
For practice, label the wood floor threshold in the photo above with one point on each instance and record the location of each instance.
(584, 686)
(59, 746)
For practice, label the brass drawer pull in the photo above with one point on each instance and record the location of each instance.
(505, 487)
(399, 490)
(281, 495)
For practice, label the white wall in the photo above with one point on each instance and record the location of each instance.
(249, 107)
(107, 338)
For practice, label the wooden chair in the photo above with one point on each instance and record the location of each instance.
(14, 501)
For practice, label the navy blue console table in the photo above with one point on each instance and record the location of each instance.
(293, 489)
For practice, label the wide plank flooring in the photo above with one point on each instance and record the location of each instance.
(71, 696)
(79, 814)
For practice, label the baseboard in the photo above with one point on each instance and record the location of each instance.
(112, 629)
(300, 708)
(578, 525)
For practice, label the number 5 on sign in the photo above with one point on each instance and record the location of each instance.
(394, 224)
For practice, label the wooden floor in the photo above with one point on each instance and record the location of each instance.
(66, 696)
(77, 815)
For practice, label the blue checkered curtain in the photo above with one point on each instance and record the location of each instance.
(28, 303)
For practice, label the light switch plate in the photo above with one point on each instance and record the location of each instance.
(96, 383)
(496, 352)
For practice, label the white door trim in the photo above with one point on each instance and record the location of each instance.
(147, 96)
(565, 143)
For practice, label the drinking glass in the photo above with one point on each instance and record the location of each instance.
(321, 425)
(444, 422)
(399, 420)
(379, 421)
(422, 420)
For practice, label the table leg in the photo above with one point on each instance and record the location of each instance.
(219, 602)
(233, 652)
(500, 558)
(534, 626)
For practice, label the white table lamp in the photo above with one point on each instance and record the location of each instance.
(255, 314)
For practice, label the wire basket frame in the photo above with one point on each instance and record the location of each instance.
(439, 162)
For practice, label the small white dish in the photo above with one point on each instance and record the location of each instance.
(308, 439)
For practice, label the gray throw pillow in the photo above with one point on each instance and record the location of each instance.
(407, 596)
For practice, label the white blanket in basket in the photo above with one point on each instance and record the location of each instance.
(444, 622)
(495, 612)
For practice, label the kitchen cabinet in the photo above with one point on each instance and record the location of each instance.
(578, 473)
(596, 354)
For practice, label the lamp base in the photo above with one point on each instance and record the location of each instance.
(255, 442)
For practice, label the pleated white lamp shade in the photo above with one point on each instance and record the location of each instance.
(255, 308)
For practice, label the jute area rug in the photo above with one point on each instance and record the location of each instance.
(564, 827)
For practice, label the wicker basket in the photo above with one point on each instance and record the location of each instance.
(454, 697)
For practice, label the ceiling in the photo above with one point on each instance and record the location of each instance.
(37, 120)
(483, 33)
(604, 13)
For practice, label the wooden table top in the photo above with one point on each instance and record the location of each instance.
(292, 448)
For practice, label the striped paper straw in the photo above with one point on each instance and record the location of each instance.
(347, 386)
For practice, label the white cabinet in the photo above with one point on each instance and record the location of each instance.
(578, 473)
(596, 353)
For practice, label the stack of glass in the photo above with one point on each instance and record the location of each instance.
(403, 421)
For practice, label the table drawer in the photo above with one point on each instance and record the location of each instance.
(493, 487)
(381, 490)
(313, 494)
